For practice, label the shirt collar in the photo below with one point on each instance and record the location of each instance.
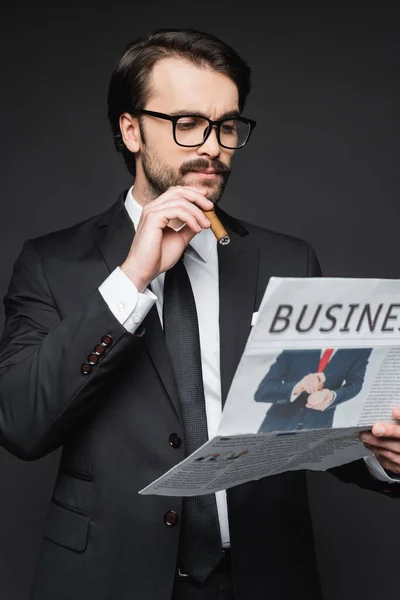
(202, 243)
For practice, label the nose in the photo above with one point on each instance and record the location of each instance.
(211, 146)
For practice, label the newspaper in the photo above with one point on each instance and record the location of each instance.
(320, 365)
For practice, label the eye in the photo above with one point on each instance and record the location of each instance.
(187, 123)
(229, 127)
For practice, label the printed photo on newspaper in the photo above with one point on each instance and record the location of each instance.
(320, 365)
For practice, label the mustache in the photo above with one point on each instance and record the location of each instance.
(200, 164)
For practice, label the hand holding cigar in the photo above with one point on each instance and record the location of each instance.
(216, 226)
(154, 250)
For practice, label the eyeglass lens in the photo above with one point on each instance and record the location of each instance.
(191, 131)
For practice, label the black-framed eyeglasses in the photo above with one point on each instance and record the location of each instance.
(193, 130)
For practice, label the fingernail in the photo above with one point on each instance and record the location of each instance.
(379, 430)
(397, 414)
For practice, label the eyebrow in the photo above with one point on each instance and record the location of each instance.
(198, 113)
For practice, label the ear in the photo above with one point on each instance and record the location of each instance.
(130, 132)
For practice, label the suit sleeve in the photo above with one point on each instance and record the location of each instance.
(354, 379)
(358, 473)
(274, 387)
(44, 393)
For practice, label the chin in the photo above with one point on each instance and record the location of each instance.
(209, 185)
(214, 190)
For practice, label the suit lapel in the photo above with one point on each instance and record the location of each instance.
(115, 234)
(155, 345)
(238, 269)
(114, 239)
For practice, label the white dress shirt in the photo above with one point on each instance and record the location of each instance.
(130, 308)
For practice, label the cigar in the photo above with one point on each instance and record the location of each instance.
(217, 228)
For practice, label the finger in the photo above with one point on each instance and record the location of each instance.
(391, 444)
(310, 384)
(196, 196)
(174, 202)
(396, 413)
(191, 194)
(178, 203)
(321, 405)
(388, 465)
(313, 406)
(194, 219)
(313, 401)
(305, 384)
(318, 383)
(393, 457)
(386, 429)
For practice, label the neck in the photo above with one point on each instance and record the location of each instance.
(142, 191)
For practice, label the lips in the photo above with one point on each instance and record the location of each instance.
(208, 172)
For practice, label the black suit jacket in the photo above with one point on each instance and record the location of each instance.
(344, 374)
(102, 539)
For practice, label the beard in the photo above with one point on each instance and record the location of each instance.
(160, 176)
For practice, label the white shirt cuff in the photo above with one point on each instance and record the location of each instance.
(377, 471)
(125, 302)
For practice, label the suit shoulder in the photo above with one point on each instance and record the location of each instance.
(294, 256)
(73, 239)
(268, 237)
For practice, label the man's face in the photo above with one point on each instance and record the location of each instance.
(177, 85)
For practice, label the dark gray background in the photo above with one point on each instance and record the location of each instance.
(322, 164)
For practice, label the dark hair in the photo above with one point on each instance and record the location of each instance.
(129, 85)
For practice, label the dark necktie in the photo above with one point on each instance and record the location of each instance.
(200, 547)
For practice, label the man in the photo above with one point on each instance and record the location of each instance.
(96, 355)
(306, 386)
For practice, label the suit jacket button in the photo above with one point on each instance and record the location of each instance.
(175, 440)
(99, 349)
(86, 368)
(171, 518)
(92, 359)
(106, 340)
